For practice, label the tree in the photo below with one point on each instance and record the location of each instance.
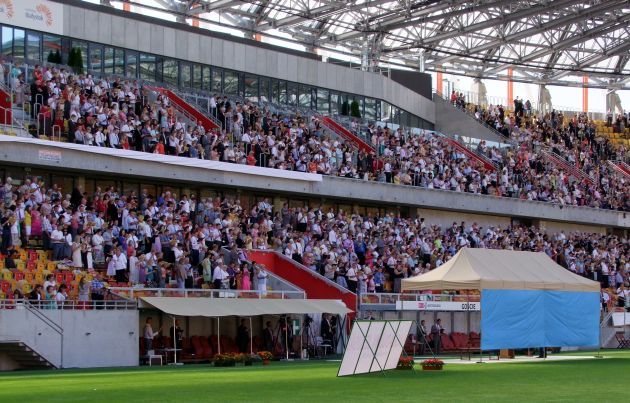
(345, 108)
(58, 57)
(75, 60)
(54, 57)
(354, 110)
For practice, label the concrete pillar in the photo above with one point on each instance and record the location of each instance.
(584, 93)
(510, 88)
(421, 61)
(439, 79)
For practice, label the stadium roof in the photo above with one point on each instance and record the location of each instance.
(553, 41)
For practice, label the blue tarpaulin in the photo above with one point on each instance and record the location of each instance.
(513, 319)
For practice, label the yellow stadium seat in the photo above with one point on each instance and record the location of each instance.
(51, 266)
(41, 266)
(7, 275)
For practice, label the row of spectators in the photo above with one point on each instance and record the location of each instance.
(117, 113)
(183, 240)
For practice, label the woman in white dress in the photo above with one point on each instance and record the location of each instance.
(77, 263)
(133, 269)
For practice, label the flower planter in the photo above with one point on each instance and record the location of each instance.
(432, 367)
(248, 363)
(266, 362)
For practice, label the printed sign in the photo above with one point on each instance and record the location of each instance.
(437, 306)
(40, 15)
(46, 155)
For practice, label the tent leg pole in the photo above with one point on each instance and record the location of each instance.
(219, 334)
(251, 337)
(286, 338)
(174, 343)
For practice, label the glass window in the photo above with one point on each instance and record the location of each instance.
(18, 42)
(119, 62)
(197, 76)
(323, 104)
(206, 79)
(96, 58)
(282, 92)
(217, 80)
(230, 80)
(159, 69)
(335, 104)
(305, 96)
(251, 88)
(264, 89)
(370, 108)
(51, 45)
(170, 69)
(108, 60)
(33, 43)
(386, 112)
(291, 93)
(147, 67)
(184, 75)
(7, 41)
(131, 65)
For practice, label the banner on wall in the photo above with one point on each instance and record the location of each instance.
(437, 306)
(40, 15)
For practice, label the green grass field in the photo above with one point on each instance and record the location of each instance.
(578, 380)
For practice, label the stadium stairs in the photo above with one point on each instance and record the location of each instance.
(449, 119)
(472, 155)
(620, 167)
(571, 169)
(346, 134)
(314, 285)
(186, 109)
(15, 354)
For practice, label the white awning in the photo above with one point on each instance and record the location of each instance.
(215, 307)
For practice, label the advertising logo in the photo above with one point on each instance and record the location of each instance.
(6, 7)
(41, 14)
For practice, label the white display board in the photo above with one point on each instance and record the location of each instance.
(374, 346)
(41, 15)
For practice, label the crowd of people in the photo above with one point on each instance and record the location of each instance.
(185, 242)
(118, 113)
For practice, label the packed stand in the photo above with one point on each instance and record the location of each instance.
(117, 113)
(181, 242)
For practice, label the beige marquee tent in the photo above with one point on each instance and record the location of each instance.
(478, 269)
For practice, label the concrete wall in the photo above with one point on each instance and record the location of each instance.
(331, 187)
(106, 26)
(94, 338)
(449, 120)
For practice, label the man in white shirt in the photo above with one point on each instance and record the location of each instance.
(120, 263)
(149, 334)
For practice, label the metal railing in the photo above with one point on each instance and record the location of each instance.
(392, 298)
(35, 306)
(134, 293)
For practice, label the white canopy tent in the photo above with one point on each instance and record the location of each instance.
(221, 307)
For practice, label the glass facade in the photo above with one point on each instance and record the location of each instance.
(99, 58)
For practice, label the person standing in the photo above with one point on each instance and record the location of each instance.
(268, 337)
(261, 276)
(436, 333)
(177, 335)
(242, 337)
(120, 264)
(149, 334)
(422, 336)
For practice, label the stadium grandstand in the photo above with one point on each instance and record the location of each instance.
(271, 157)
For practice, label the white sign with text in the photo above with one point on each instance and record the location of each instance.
(437, 306)
(40, 15)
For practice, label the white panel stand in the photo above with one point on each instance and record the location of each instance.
(374, 346)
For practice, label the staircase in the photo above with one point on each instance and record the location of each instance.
(473, 156)
(566, 166)
(315, 285)
(449, 119)
(620, 167)
(23, 356)
(345, 134)
(189, 111)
